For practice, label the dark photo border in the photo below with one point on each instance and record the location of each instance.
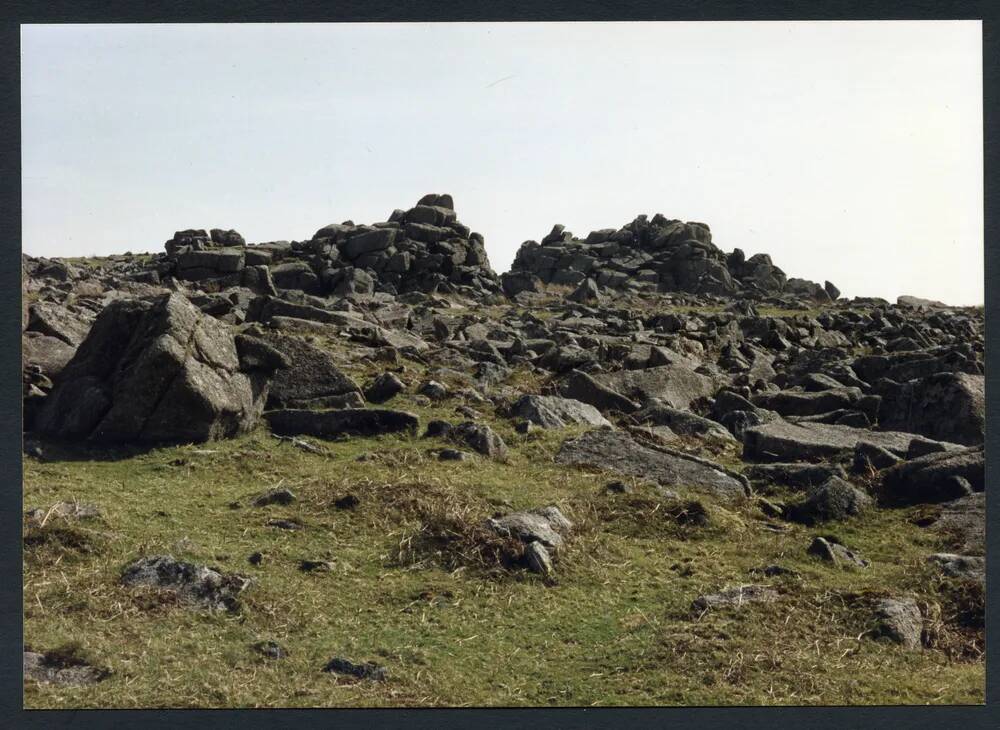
(12, 14)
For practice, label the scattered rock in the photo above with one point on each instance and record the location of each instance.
(828, 549)
(546, 525)
(833, 500)
(480, 438)
(899, 620)
(270, 650)
(274, 496)
(960, 566)
(315, 566)
(196, 584)
(385, 387)
(936, 477)
(554, 412)
(365, 670)
(737, 597)
(62, 667)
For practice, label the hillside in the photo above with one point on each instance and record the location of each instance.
(366, 470)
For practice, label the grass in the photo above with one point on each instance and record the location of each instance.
(417, 587)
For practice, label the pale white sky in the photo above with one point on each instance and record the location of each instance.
(849, 151)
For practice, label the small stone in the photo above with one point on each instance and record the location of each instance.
(270, 649)
(385, 387)
(285, 524)
(274, 496)
(312, 566)
(433, 390)
(365, 670)
(437, 428)
(899, 620)
(348, 501)
(830, 550)
(735, 597)
(453, 455)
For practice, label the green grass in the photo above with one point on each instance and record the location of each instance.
(614, 626)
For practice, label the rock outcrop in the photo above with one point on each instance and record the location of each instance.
(653, 254)
(156, 372)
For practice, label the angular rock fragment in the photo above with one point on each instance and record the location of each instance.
(584, 388)
(553, 412)
(157, 372)
(385, 387)
(832, 551)
(781, 440)
(480, 438)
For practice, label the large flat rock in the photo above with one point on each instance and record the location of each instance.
(676, 385)
(784, 441)
(617, 452)
(336, 423)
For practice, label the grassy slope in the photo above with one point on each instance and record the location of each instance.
(613, 628)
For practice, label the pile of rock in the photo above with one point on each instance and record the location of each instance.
(423, 249)
(657, 254)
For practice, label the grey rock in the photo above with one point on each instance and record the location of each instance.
(899, 620)
(781, 440)
(936, 477)
(196, 584)
(682, 422)
(584, 388)
(556, 412)
(945, 406)
(312, 373)
(54, 668)
(385, 387)
(617, 452)
(274, 496)
(433, 390)
(586, 293)
(675, 385)
(546, 525)
(157, 372)
(835, 499)
(960, 566)
(963, 523)
(736, 597)
(793, 475)
(538, 559)
(365, 670)
(831, 551)
(480, 438)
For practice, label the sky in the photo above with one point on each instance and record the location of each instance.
(848, 151)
